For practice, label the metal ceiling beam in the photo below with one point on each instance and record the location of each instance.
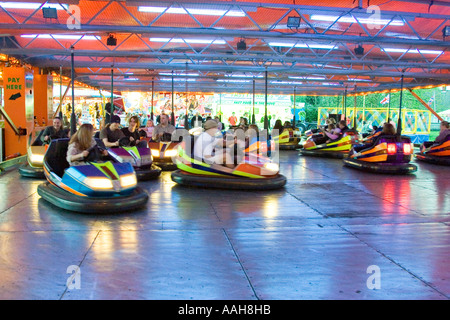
(211, 32)
(292, 58)
(307, 9)
(84, 76)
(259, 89)
(242, 68)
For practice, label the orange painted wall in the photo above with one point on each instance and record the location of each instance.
(18, 104)
(43, 97)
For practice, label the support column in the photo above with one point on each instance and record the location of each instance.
(43, 98)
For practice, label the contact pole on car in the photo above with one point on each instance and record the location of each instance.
(73, 120)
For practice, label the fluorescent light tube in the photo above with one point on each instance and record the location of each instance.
(285, 82)
(233, 81)
(206, 12)
(179, 74)
(31, 5)
(177, 79)
(303, 45)
(196, 41)
(308, 78)
(60, 36)
(416, 51)
(243, 76)
(345, 19)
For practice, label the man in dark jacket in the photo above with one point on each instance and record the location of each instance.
(54, 132)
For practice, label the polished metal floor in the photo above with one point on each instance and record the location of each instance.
(331, 233)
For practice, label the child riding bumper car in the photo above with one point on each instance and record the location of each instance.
(338, 148)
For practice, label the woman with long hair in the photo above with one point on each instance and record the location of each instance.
(80, 145)
(278, 126)
(132, 132)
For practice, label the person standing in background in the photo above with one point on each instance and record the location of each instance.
(232, 119)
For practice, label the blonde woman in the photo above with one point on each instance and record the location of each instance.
(80, 145)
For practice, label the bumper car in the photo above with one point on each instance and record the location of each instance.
(371, 137)
(289, 139)
(436, 154)
(334, 149)
(98, 187)
(260, 147)
(139, 157)
(163, 152)
(252, 172)
(387, 154)
(34, 168)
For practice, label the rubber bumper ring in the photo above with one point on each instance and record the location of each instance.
(289, 146)
(444, 161)
(326, 154)
(388, 168)
(28, 171)
(166, 166)
(65, 200)
(236, 183)
(148, 174)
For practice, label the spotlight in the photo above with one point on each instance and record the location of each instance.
(293, 22)
(446, 31)
(241, 45)
(49, 13)
(359, 50)
(111, 41)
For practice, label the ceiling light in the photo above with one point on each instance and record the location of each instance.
(285, 82)
(307, 78)
(416, 51)
(177, 79)
(49, 13)
(358, 80)
(446, 31)
(195, 41)
(206, 12)
(293, 22)
(359, 50)
(303, 45)
(111, 41)
(60, 36)
(243, 76)
(233, 81)
(321, 17)
(32, 5)
(179, 75)
(241, 45)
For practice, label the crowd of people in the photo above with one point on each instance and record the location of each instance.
(211, 146)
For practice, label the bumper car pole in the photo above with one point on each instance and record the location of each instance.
(73, 120)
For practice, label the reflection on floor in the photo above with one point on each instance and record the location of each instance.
(331, 233)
